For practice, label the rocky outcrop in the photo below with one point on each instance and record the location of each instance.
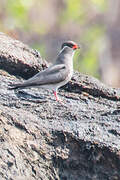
(43, 139)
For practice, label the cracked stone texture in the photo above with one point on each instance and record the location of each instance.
(42, 139)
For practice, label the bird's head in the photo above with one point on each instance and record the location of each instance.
(71, 45)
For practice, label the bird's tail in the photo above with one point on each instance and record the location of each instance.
(15, 86)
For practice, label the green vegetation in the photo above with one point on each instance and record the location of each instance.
(88, 62)
(39, 18)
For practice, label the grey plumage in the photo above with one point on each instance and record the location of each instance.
(56, 75)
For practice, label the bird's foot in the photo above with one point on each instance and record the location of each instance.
(60, 101)
(57, 98)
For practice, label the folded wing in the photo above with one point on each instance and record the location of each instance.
(52, 75)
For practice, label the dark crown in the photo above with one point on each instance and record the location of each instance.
(70, 44)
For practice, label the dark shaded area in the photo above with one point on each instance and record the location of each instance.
(18, 59)
(43, 139)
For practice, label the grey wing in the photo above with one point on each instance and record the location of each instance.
(52, 75)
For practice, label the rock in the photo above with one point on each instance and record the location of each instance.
(18, 59)
(42, 139)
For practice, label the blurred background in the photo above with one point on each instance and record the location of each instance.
(45, 24)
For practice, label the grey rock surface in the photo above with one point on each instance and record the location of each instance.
(42, 139)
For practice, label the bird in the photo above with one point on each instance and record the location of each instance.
(56, 75)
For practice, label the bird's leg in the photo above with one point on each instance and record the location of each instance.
(57, 98)
(55, 94)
